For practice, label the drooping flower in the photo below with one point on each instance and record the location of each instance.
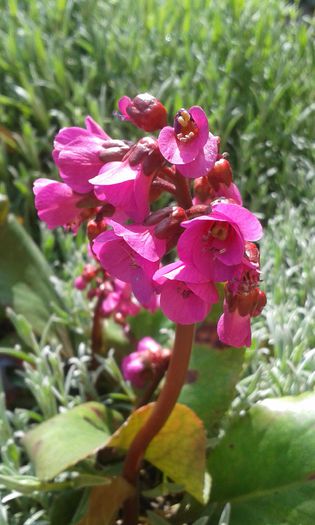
(80, 153)
(186, 296)
(57, 204)
(188, 144)
(141, 366)
(243, 299)
(132, 254)
(214, 244)
(144, 111)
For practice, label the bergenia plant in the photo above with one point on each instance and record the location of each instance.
(175, 256)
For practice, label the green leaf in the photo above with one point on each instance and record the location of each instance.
(214, 374)
(25, 279)
(287, 506)
(67, 438)
(265, 464)
(180, 444)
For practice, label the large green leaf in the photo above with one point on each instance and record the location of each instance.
(287, 506)
(25, 278)
(178, 449)
(265, 464)
(214, 374)
(67, 438)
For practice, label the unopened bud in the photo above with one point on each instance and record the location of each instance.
(94, 228)
(261, 301)
(202, 188)
(221, 173)
(89, 272)
(198, 209)
(252, 253)
(114, 150)
(157, 216)
(168, 226)
(80, 283)
(146, 151)
(144, 111)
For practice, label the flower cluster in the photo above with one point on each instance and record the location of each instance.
(148, 361)
(116, 187)
(115, 297)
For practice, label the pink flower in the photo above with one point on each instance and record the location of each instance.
(56, 204)
(188, 144)
(242, 300)
(141, 366)
(214, 244)
(144, 111)
(125, 187)
(186, 296)
(132, 254)
(80, 154)
(119, 300)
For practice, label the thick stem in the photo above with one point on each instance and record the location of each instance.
(97, 336)
(183, 193)
(163, 407)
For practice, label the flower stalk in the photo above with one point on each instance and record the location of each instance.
(163, 407)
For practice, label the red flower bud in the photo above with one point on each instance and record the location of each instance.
(261, 302)
(202, 188)
(146, 112)
(89, 272)
(221, 172)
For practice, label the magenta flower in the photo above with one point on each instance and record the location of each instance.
(188, 144)
(56, 204)
(77, 154)
(214, 244)
(125, 187)
(132, 254)
(186, 295)
(118, 299)
(243, 300)
(80, 154)
(141, 366)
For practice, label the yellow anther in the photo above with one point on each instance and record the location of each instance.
(185, 115)
(182, 122)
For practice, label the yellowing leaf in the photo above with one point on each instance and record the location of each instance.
(178, 449)
(105, 502)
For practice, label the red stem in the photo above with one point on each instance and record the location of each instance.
(163, 407)
(183, 194)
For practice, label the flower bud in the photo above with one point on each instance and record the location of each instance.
(89, 272)
(114, 150)
(144, 111)
(80, 283)
(95, 227)
(202, 188)
(171, 224)
(221, 172)
(141, 366)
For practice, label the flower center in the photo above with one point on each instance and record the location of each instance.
(220, 230)
(184, 125)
